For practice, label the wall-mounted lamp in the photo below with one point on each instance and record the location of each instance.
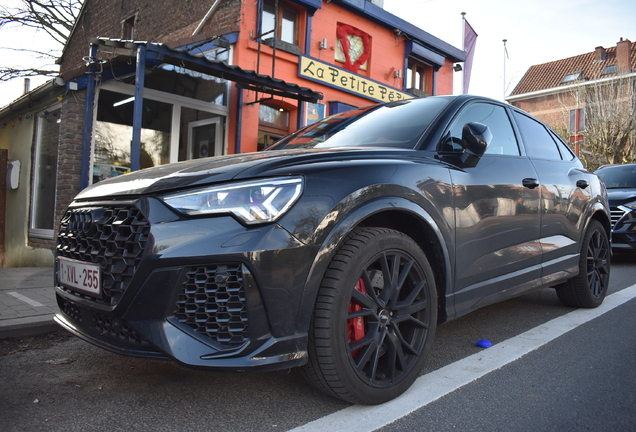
(222, 43)
(457, 67)
(398, 73)
(323, 44)
(13, 174)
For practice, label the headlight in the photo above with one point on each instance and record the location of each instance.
(253, 202)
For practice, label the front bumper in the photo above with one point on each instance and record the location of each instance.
(624, 229)
(204, 292)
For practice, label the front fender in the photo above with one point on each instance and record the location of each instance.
(333, 239)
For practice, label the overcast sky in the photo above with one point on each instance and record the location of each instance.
(538, 31)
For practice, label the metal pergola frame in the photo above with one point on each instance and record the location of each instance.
(154, 54)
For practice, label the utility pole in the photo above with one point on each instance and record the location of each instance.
(504, 69)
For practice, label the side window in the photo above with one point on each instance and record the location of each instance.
(566, 151)
(503, 141)
(538, 142)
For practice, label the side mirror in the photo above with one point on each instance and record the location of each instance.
(475, 140)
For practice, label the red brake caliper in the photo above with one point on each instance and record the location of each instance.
(355, 326)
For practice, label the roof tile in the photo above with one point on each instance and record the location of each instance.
(550, 75)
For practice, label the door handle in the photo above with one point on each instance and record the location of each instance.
(582, 184)
(530, 183)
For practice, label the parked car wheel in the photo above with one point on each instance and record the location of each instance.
(374, 319)
(589, 287)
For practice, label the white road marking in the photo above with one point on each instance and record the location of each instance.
(25, 299)
(430, 387)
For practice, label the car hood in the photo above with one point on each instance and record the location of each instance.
(621, 196)
(218, 169)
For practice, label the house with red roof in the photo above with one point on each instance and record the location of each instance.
(559, 92)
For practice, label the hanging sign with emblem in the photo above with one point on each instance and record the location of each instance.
(353, 48)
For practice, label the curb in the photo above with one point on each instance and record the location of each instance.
(28, 326)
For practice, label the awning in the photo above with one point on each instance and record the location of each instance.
(246, 79)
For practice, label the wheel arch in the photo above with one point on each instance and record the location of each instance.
(388, 212)
(599, 213)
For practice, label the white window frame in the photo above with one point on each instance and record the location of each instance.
(218, 146)
(40, 232)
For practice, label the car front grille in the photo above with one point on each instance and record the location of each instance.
(116, 329)
(110, 328)
(212, 302)
(616, 214)
(113, 237)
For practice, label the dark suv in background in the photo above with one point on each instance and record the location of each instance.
(340, 248)
(620, 181)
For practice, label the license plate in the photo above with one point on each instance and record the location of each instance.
(79, 276)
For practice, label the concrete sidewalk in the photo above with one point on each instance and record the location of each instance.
(27, 301)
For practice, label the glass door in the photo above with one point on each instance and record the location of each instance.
(205, 138)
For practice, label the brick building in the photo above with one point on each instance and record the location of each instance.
(143, 84)
(560, 92)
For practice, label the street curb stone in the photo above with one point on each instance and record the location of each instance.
(27, 302)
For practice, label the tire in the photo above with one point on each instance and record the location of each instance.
(374, 320)
(589, 288)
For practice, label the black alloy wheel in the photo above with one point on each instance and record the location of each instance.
(374, 319)
(589, 288)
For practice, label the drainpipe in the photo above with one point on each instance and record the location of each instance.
(88, 119)
(138, 109)
(239, 120)
(206, 17)
(434, 83)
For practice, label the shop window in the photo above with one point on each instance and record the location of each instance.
(113, 134)
(273, 124)
(44, 181)
(314, 112)
(419, 78)
(353, 48)
(285, 21)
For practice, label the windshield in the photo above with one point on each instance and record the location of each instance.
(619, 176)
(396, 124)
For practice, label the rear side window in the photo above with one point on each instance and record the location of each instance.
(503, 141)
(538, 141)
(566, 151)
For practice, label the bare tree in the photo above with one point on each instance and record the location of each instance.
(610, 120)
(55, 17)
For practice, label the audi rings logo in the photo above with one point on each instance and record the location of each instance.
(82, 221)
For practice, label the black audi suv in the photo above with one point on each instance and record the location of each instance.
(339, 249)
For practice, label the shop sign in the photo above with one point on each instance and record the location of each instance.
(328, 74)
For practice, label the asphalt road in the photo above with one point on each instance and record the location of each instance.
(583, 380)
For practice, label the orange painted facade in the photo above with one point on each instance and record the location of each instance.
(189, 109)
(385, 66)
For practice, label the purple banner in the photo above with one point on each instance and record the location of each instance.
(470, 40)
